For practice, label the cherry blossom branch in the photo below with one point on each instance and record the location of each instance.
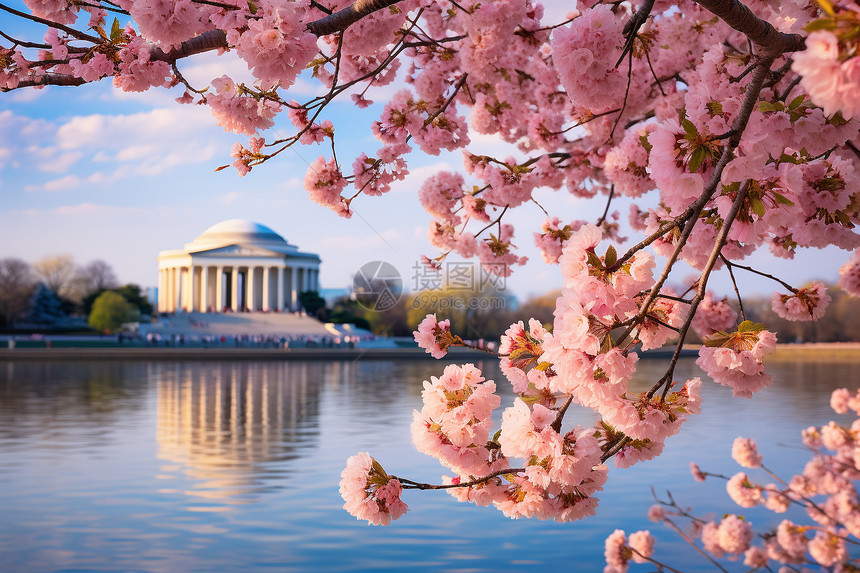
(341, 20)
(739, 124)
(409, 484)
(68, 30)
(23, 43)
(760, 32)
(684, 536)
(48, 80)
(761, 273)
(660, 565)
(445, 105)
(205, 42)
(608, 202)
(701, 291)
(556, 424)
(734, 284)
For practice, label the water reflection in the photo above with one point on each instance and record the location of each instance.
(234, 466)
(232, 426)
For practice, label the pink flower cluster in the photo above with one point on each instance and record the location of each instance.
(732, 535)
(370, 493)
(832, 83)
(808, 303)
(434, 336)
(454, 424)
(735, 359)
(240, 112)
(825, 487)
(324, 182)
(584, 55)
(619, 550)
(849, 275)
(276, 45)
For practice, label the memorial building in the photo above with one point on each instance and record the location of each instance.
(234, 266)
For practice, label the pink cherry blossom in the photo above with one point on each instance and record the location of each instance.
(434, 336)
(369, 493)
(745, 453)
(808, 303)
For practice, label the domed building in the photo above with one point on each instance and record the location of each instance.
(236, 265)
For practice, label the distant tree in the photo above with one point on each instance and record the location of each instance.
(134, 295)
(58, 273)
(46, 308)
(540, 307)
(111, 311)
(16, 287)
(476, 312)
(312, 302)
(95, 277)
(348, 311)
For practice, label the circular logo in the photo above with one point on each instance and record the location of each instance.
(377, 286)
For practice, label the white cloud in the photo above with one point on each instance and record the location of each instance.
(63, 183)
(55, 162)
(96, 210)
(229, 198)
(135, 152)
(27, 95)
(163, 126)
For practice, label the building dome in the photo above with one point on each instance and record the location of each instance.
(238, 265)
(237, 232)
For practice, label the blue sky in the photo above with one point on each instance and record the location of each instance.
(102, 174)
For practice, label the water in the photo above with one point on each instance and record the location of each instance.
(234, 466)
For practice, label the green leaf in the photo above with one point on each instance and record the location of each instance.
(115, 30)
(607, 344)
(750, 326)
(594, 260)
(782, 199)
(643, 139)
(696, 160)
(611, 256)
(795, 103)
(843, 219)
(821, 24)
(757, 206)
(827, 7)
(765, 106)
(496, 436)
(378, 467)
(689, 127)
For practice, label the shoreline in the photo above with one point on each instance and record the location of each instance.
(821, 351)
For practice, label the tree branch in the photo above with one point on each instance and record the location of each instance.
(760, 32)
(205, 42)
(341, 20)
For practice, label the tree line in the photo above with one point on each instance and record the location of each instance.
(55, 289)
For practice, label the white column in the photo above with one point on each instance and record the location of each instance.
(265, 305)
(171, 285)
(294, 293)
(192, 286)
(204, 288)
(234, 298)
(219, 289)
(177, 285)
(160, 290)
(281, 280)
(250, 299)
